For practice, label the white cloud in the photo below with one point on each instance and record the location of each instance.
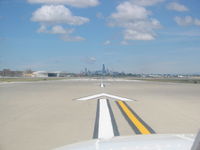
(57, 29)
(130, 34)
(69, 38)
(74, 3)
(52, 14)
(66, 34)
(146, 2)
(124, 42)
(197, 22)
(99, 15)
(184, 21)
(42, 28)
(135, 21)
(89, 60)
(93, 59)
(177, 7)
(107, 42)
(189, 33)
(129, 11)
(141, 29)
(60, 30)
(187, 20)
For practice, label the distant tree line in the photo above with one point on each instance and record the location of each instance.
(11, 73)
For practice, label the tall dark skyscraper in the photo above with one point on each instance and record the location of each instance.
(104, 69)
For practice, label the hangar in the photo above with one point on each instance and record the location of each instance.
(45, 74)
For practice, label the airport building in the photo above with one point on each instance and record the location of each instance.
(41, 74)
(45, 74)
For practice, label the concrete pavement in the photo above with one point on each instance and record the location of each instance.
(44, 115)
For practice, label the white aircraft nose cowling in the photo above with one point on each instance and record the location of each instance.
(138, 142)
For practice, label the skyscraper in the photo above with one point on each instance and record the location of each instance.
(103, 69)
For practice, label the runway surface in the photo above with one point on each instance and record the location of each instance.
(45, 115)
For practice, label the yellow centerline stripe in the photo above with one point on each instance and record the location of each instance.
(133, 118)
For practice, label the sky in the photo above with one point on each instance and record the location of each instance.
(133, 36)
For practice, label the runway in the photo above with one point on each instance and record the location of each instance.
(45, 115)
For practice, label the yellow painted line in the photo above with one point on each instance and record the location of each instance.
(134, 119)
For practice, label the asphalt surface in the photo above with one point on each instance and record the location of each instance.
(44, 115)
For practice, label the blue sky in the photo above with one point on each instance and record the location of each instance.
(137, 36)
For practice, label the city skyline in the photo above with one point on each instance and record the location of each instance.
(132, 36)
